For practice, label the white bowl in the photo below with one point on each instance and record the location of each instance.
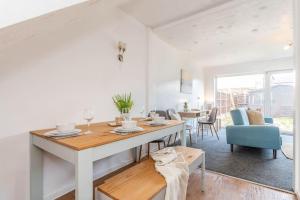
(159, 119)
(129, 124)
(65, 127)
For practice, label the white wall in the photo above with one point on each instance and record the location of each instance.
(297, 123)
(52, 76)
(241, 68)
(54, 66)
(165, 63)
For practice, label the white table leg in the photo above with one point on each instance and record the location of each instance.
(36, 172)
(183, 135)
(203, 173)
(84, 175)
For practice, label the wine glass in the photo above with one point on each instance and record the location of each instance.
(88, 115)
(142, 112)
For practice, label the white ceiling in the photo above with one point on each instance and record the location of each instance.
(15, 11)
(154, 13)
(220, 32)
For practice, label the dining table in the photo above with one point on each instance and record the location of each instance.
(85, 149)
(193, 116)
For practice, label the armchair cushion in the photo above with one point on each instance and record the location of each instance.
(255, 117)
(239, 117)
(269, 120)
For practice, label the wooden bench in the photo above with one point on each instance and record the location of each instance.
(143, 182)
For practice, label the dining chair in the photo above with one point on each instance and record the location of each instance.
(210, 122)
(172, 114)
(161, 113)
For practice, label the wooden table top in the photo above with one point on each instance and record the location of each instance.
(192, 113)
(101, 134)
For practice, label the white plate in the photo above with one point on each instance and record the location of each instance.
(56, 133)
(152, 123)
(125, 130)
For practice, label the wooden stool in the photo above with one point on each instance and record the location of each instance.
(142, 181)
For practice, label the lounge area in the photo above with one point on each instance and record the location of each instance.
(149, 100)
(262, 135)
(249, 163)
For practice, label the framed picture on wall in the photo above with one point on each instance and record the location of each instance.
(186, 82)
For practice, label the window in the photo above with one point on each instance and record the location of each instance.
(274, 97)
(239, 91)
(282, 86)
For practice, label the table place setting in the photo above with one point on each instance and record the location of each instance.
(64, 131)
(128, 126)
(157, 120)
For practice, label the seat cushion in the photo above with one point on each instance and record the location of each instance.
(189, 127)
(239, 117)
(175, 116)
(255, 117)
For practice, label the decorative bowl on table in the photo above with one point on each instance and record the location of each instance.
(128, 127)
(64, 130)
(158, 121)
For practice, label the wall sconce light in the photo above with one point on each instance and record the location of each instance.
(287, 46)
(122, 49)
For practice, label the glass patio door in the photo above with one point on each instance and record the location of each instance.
(239, 91)
(280, 86)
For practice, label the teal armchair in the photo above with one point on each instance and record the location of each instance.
(261, 136)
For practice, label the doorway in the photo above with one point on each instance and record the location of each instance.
(280, 94)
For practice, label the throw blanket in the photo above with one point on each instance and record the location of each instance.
(175, 170)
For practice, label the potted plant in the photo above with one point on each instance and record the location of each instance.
(124, 103)
(185, 107)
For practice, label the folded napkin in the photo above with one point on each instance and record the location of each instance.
(175, 170)
(164, 156)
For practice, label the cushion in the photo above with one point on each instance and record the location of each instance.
(239, 117)
(175, 116)
(255, 117)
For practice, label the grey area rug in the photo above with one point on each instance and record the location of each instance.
(287, 150)
(252, 164)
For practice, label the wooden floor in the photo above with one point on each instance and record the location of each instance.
(221, 187)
